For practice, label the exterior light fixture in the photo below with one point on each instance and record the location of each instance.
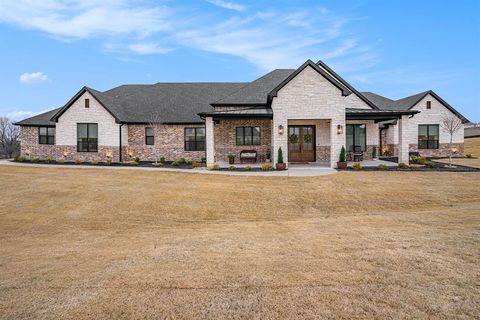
(280, 130)
(339, 129)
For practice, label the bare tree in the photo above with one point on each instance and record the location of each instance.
(9, 137)
(451, 124)
(155, 122)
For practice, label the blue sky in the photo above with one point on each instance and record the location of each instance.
(51, 48)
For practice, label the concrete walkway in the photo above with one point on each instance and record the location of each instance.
(294, 171)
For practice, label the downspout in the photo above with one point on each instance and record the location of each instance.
(120, 151)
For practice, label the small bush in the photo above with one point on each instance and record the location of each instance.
(182, 161)
(247, 168)
(93, 162)
(204, 159)
(174, 164)
(402, 165)
(35, 160)
(134, 163)
(357, 166)
(469, 155)
(196, 165)
(382, 167)
(48, 160)
(61, 160)
(429, 164)
(420, 160)
(232, 168)
(109, 162)
(162, 159)
(188, 161)
(77, 161)
(19, 159)
(267, 167)
(215, 167)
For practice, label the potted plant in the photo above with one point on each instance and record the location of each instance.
(231, 158)
(342, 163)
(374, 153)
(280, 164)
(268, 156)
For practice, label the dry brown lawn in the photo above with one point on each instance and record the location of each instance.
(85, 244)
(472, 146)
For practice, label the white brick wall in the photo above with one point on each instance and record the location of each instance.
(108, 130)
(309, 96)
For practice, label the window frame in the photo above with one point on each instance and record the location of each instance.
(47, 135)
(353, 140)
(87, 103)
(88, 137)
(429, 141)
(196, 141)
(429, 104)
(149, 136)
(243, 135)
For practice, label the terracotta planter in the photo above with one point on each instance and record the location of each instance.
(281, 166)
(342, 165)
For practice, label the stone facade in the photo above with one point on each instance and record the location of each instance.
(225, 138)
(442, 151)
(169, 143)
(323, 154)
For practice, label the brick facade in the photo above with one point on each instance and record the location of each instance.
(225, 138)
(442, 151)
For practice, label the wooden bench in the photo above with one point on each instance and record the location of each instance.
(248, 156)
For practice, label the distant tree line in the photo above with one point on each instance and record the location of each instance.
(9, 138)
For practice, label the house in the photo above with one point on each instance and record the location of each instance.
(309, 112)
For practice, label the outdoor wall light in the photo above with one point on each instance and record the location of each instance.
(280, 130)
(339, 129)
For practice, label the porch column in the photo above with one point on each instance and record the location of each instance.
(337, 139)
(403, 147)
(210, 142)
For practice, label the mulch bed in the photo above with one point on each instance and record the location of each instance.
(437, 167)
(144, 164)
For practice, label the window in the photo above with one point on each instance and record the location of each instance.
(46, 135)
(429, 104)
(87, 137)
(194, 139)
(248, 136)
(356, 137)
(149, 137)
(428, 136)
(87, 103)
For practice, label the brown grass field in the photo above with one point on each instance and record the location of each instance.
(96, 244)
(472, 146)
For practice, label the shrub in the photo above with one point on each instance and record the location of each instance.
(35, 160)
(267, 167)
(357, 166)
(248, 168)
(19, 159)
(382, 167)
(93, 162)
(174, 164)
(469, 155)
(188, 161)
(48, 160)
(182, 161)
(279, 157)
(232, 168)
(77, 161)
(162, 159)
(137, 159)
(196, 165)
(421, 160)
(231, 156)
(429, 164)
(61, 160)
(374, 153)
(215, 167)
(134, 163)
(342, 155)
(204, 159)
(109, 161)
(402, 165)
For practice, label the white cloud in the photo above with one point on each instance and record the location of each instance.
(33, 77)
(147, 48)
(228, 5)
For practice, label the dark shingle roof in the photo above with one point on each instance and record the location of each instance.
(408, 102)
(43, 119)
(257, 91)
(240, 112)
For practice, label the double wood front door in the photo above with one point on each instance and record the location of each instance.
(301, 143)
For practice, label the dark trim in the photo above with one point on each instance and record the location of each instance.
(40, 135)
(445, 104)
(88, 136)
(259, 105)
(355, 124)
(252, 144)
(335, 82)
(34, 125)
(348, 85)
(146, 141)
(196, 140)
(167, 123)
(428, 136)
(75, 98)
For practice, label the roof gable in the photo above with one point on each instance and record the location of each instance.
(309, 63)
